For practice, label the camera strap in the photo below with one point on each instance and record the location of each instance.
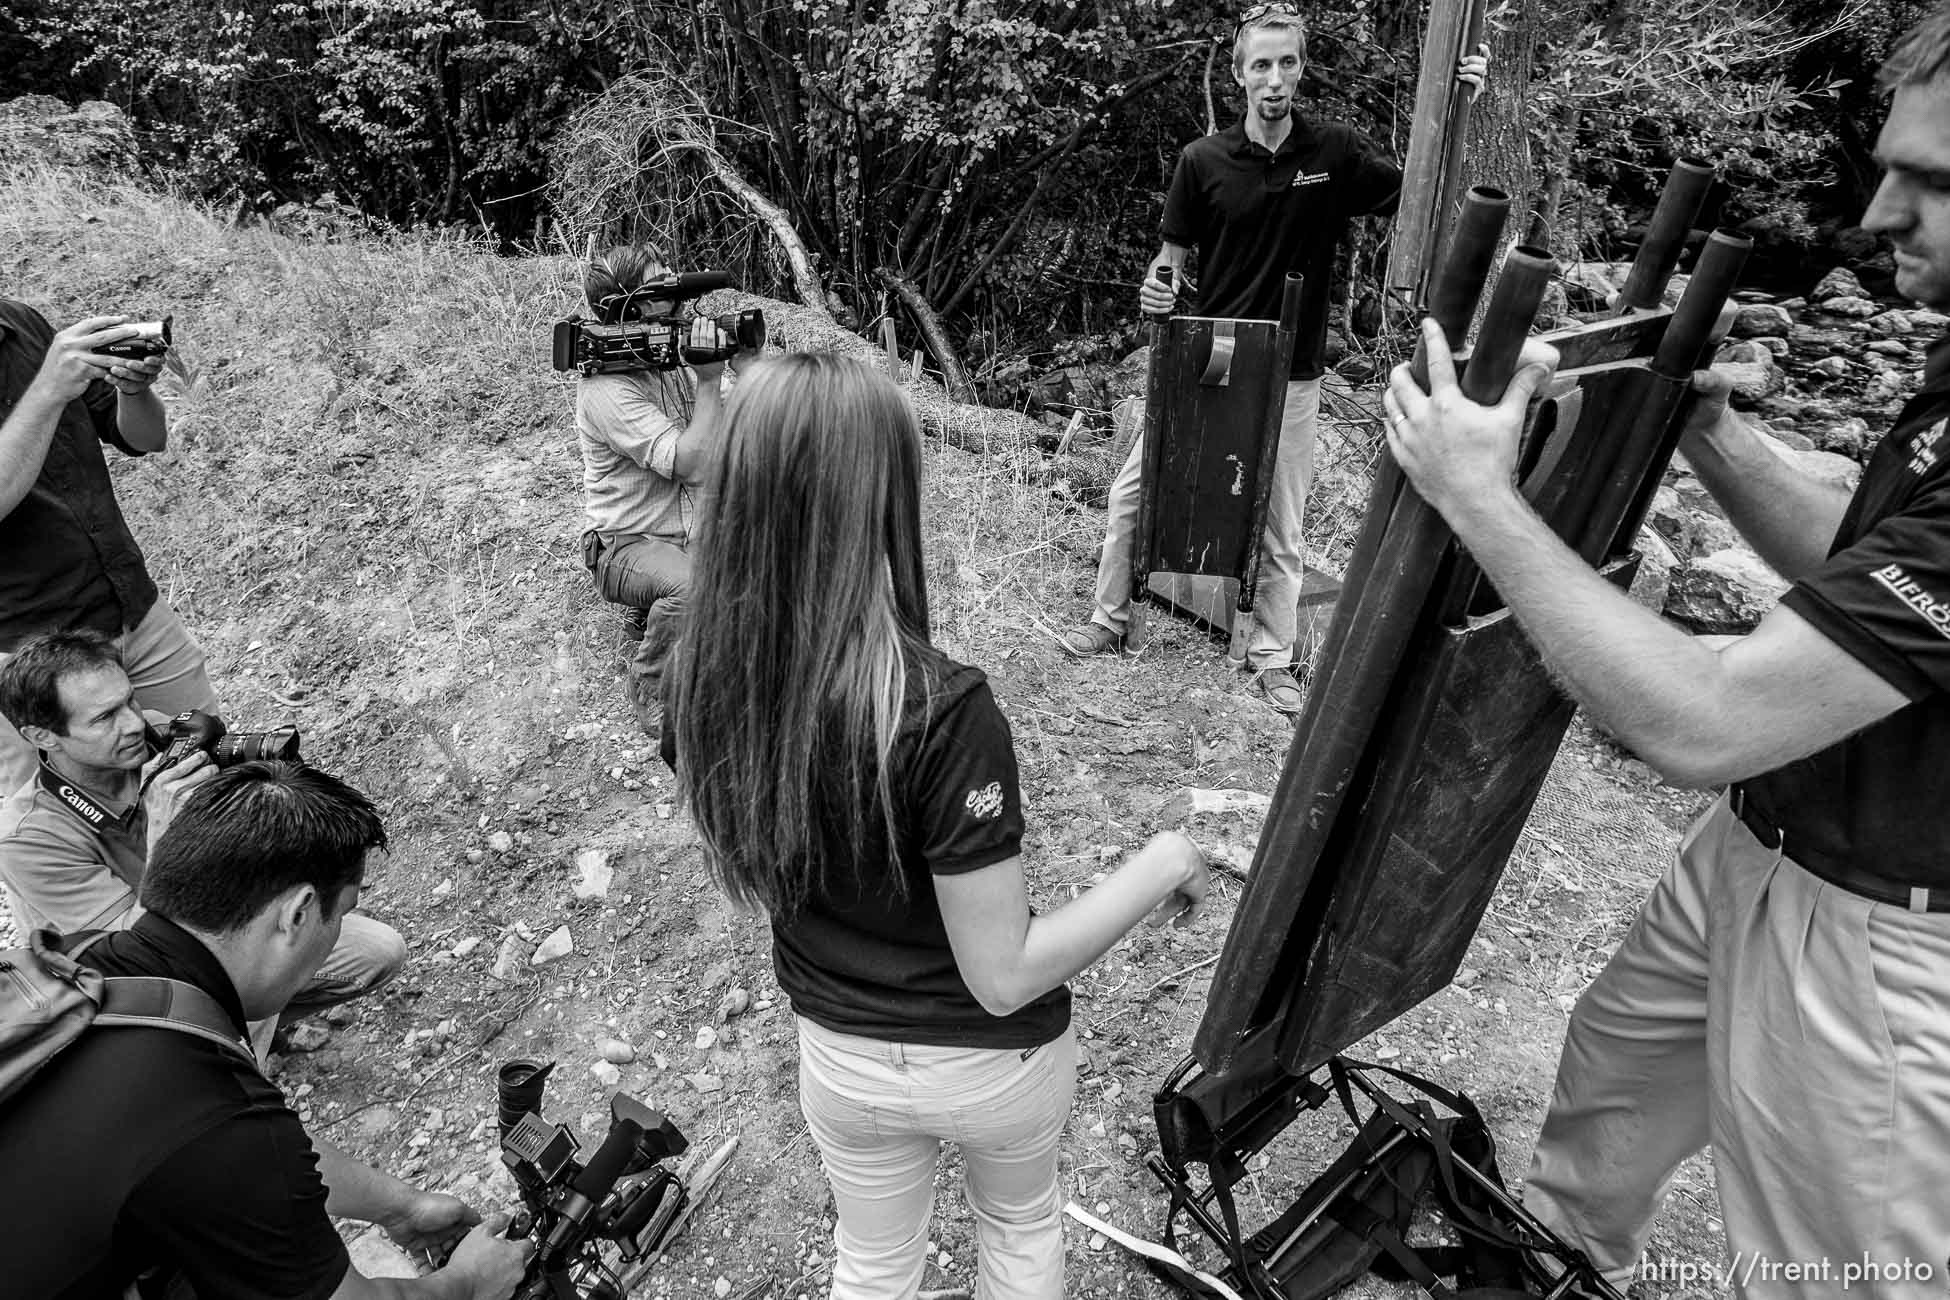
(90, 811)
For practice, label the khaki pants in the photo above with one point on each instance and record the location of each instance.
(879, 1112)
(1800, 1030)
(368, 954)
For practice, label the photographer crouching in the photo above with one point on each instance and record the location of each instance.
(646, 417)
(145, 1159)
(76, 839)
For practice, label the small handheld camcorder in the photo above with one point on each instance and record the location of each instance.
(194, 730)
(151, 340)
(619, 340)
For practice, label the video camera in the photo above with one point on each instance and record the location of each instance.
(572, 1208)
(618, 341)
(195, 729)
(151, 340)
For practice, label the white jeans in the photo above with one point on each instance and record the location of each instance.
(1282, 547)
(165, 665)
(879, 1112)
(1801, 1030)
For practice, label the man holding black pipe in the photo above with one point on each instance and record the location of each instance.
(1782, 994)
(159, 1162)
(1270, 195)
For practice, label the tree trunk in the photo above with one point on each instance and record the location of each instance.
(1499, 141)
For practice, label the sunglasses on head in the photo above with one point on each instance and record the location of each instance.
(1259, 11)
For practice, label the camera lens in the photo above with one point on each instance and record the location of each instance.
(251, 746)
(518, 1089)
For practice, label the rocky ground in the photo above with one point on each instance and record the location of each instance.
(369, 516)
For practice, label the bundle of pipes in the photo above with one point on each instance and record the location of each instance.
(1431, 724)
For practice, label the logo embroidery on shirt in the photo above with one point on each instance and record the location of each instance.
(1923, 448)
(1911, 593)
(1309, 178)
(987, 801)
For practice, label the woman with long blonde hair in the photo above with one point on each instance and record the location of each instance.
(861, 786)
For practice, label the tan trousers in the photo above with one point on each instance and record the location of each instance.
(1800, 1030)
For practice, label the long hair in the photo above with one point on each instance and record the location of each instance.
(806, 602)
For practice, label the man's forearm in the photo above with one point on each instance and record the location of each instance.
(24, 439)
(1789, 518)
(355, 1190)
(141, 420)
(698, 446)
(1649, 683)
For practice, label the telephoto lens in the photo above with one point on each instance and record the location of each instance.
(518, 1090)
(251, 746)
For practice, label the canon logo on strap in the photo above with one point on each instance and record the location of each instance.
(81, 804)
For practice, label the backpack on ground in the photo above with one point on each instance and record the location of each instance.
(48, 999)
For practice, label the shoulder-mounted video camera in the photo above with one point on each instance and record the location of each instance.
(576, 1211)
(620, 340)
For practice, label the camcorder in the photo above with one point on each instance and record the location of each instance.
(589, 1218)
(618, 341)
(193, 730)
(151, 340)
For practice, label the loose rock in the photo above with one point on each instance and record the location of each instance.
(1758, 320)
(1890, 324)
(1728, 592)
(596, 874)
(508, 961)
(1851, 307)
(617, 1052)
(557, 946)
(1838, 283)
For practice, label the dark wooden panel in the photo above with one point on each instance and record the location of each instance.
(1210, 443)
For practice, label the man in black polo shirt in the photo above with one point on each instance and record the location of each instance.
(66, 557)
(1268, 196)
(1783, 993)
(155, 1154)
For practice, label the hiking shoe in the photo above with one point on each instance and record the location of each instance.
(1089, 639)
(1282, 690)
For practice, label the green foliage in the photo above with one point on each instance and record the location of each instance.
(1006, 157)
(1627, 88)
(419, 110)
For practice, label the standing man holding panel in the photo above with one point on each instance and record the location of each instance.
(1267, 197)
(1781, 995)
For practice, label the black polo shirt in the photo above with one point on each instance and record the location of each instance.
(1255, 216)
(1881, 798)
(67, 559)
(148, 1148)
(865, 959)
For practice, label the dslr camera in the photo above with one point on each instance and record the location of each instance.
(151, 340)
(194, 730)
(618, 340)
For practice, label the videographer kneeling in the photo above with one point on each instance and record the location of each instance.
(646, 435)
(160, 1155)
(74, 840)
